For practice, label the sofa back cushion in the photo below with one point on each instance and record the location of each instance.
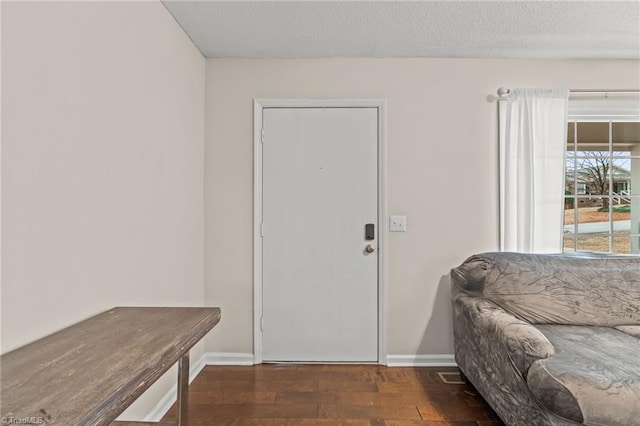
(557, 289)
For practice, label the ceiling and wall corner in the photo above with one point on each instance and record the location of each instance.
(395, 29)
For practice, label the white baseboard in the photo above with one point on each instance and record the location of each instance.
(208, 358)
(227, 358)
(444, 360)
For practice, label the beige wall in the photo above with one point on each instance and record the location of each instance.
(442, 172)
(102, 171)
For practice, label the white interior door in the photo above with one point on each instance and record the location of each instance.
(320, 189)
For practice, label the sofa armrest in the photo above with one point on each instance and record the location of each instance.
(523, 342)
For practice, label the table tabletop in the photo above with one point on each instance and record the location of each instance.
(90, 372)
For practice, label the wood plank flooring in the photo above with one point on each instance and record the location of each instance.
(350, 395)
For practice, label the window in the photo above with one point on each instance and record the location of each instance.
(582, 188)
(602, 186)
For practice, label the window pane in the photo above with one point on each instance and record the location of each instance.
(593, 136)
(569, 221)
(621, 176)
(593, 168)
(581, 188)
(593, 242)
(569, 181)
(634, 222)
(570, 139)
(621, 155)
(567, 243)
(631, 132)
(622, 242)
(625, 136)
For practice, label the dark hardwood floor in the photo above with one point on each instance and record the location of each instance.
(372, 395)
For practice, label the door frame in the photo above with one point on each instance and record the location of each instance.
(258, 106)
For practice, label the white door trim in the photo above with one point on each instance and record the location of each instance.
(258, 106)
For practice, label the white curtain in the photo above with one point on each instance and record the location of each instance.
(533, 138)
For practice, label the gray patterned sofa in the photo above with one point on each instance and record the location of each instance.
(551, 339)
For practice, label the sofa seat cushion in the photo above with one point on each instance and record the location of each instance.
(593, 378)
(633, 330)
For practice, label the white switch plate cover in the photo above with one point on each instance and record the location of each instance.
(397, 223)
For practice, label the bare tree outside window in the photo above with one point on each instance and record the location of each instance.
(594, 169)
(598, 175)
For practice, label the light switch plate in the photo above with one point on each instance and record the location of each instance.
(397, 223)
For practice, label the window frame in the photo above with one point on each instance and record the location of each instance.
(576, 195)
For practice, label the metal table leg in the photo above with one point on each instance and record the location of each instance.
(183, 390)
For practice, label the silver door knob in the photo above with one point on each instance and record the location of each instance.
(369, 248)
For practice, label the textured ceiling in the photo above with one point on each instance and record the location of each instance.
(435, 29)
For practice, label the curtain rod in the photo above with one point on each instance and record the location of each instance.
(604, 91)
(503, 93)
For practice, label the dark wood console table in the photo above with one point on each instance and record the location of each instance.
(90, 372)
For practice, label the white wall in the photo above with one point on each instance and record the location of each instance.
(102, 166)
(442, 172)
